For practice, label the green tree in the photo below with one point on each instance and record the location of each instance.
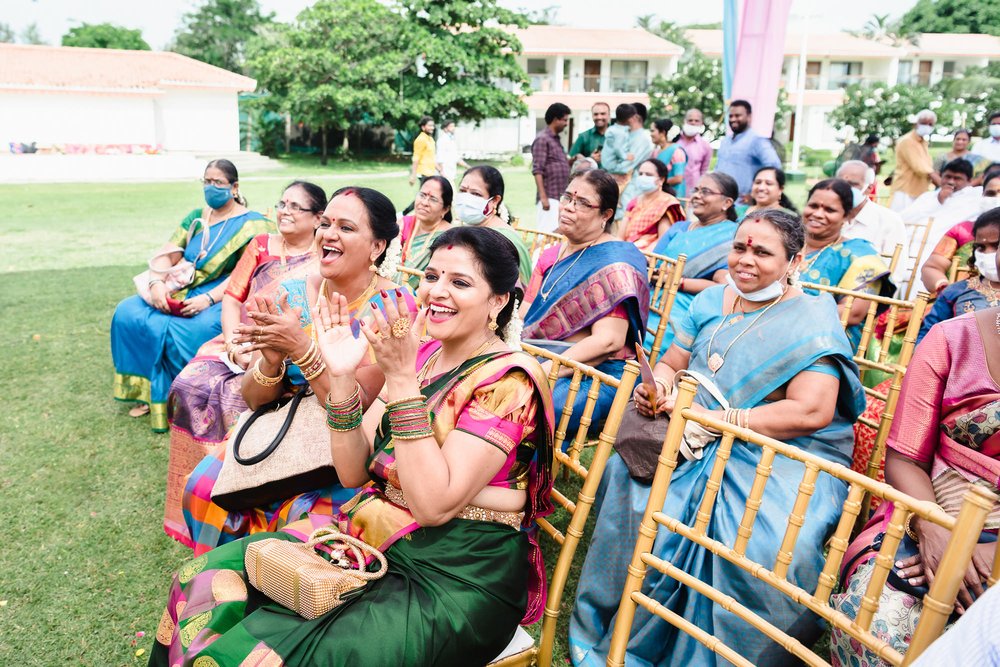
(340, 63)
(464, 65)
(105, 36)
(887, 111)
(544, 16)
(217, 32)
(697, 84)
(668, 30)
(971, 97)
(6, 33)
(31, 35)
(955, 16)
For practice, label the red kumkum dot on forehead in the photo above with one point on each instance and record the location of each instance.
(450, 247)
(749, 241)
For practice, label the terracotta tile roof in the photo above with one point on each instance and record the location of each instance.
(818, 45)
(958, 45)
(540, 101)
(109, 70)
(553, 40)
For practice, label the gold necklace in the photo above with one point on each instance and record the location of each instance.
(716, 361)
(284, 250)
(990, 293)
(432, 360)
(818, 254)
(541, 290)
(353, 305)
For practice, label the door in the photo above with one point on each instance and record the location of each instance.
(592, 76)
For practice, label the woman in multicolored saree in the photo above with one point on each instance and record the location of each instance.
(654, 210)
(353, 235)
(206, 399)
(588, 298)
(830, 259)
(151, 344)
(706, 242)
(945, 437)
(455, 457)
(781, 359)
(431, 216)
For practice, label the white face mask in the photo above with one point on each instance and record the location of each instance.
(986, 264)
(925, 130)
(694, 130)
(469, 208)
(995, 130)
(645, 182)
(769, 293)
(988, 204)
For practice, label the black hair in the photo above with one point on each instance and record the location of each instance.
(793, 234)
(990, 218)
(381, 214)
(233, 176)
(491, 177)
(624, 113)
(959, 166)
(315, 194)
(497, 258)
(779, 176)
(989, 176)
(963, 130)
(839, 187)
(741, 103)
(424, 120)
(447, 193)
(641, 109)
(993, 116)
(607, 189)
(871, 139)
(555, 111)
(663, 125)
(662, 170)
(727, 184)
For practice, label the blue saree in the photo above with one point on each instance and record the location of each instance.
(593, 283)
(150, 348)
(965, 296)
(792, 338)
(853, 264)
(707, 249)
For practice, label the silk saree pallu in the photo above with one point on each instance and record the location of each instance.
(642, 218)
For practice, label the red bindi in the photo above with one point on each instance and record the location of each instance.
(450, 247)
(749, 241)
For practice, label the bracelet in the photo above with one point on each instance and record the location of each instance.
(409, 418)
(211, 299)
(346, 415)
(940, 284)
(661, 382)
(680, 285)
(908, 528)
(154, 281)
(264, 380)
(314, 371)
(309, 357)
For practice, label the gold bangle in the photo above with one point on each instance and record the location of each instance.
(264, 380)
(409, 399)
(308, 357)
(909, 529)
(316, 373)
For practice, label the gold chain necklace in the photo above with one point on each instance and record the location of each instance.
(432, 360)
(990, 293)
(818, 254)
(716, 361)
(353, 305)
(541, 290)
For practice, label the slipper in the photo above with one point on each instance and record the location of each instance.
(140, 410)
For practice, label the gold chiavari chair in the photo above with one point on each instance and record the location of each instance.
(937, 604)
(916, 233)
(578, 511)
(958, 270)
(665, 274)
(538, 242)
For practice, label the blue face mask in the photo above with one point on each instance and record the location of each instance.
(217, 197)
(645, 182)
(859, 197)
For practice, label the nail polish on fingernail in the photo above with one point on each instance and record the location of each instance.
(373, 306)
(398, 294)
(384, 295)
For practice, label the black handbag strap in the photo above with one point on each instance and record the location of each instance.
(263, 410)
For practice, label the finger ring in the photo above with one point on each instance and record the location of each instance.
(401, 327)
(260, 331)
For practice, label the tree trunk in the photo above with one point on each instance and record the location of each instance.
(323, 159)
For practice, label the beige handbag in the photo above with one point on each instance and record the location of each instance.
(275, 452)
(178, 276)
(295, 576)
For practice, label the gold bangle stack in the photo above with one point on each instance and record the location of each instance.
(264, 380)
(909, 529)
(738, 417)
(311, 363)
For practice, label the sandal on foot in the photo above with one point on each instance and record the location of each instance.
(140, 410)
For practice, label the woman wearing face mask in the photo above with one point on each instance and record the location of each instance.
(768, 191)
(588, 298)
(654, 210)
(957, 241)
(706, 242)
(829, 259)
(479, 202)
(352, 239)
(152, 341)
(783, 363)
(431, 217)
(205, 400)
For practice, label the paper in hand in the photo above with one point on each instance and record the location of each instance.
(646, 373)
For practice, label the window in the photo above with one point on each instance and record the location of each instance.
(565, 77)
(924, 73)
(948, 69)
(592, 76)
(905, 75)
(813, 68)
(843, 74)
(629, 76)
(538, 73)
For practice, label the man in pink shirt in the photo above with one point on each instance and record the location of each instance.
(699, 153)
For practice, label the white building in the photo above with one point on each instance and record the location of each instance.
(578, 67)
(78, 100)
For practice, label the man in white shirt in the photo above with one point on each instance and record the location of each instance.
(990, 148)
(448, 157)
(878, 225)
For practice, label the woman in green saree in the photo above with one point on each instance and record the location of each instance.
(454, 459)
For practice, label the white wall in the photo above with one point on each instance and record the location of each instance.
(493, 137)
(76, 118)
(198, 120)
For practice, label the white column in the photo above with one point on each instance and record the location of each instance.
(893, 77)
(606, 77)
(557, 75)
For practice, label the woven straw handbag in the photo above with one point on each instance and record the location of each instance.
(295, 576)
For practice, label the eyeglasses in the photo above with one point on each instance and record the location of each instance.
(568, 199)
(292, 207)
(423, 196)
(217, 182)
(704, 192)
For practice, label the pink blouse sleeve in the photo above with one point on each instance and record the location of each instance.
(545, 261)
(503, 413)
(916, 425)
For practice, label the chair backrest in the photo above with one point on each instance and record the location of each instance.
(579, 510)
(538, 242)
(894, 258)
(958, 270)
(938, 603)
(404, 273)
(917, 235)
(665, 275)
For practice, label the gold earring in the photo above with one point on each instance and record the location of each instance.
(373, 268)
(492, 326)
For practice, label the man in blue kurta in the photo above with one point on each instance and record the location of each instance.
(743, 153)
